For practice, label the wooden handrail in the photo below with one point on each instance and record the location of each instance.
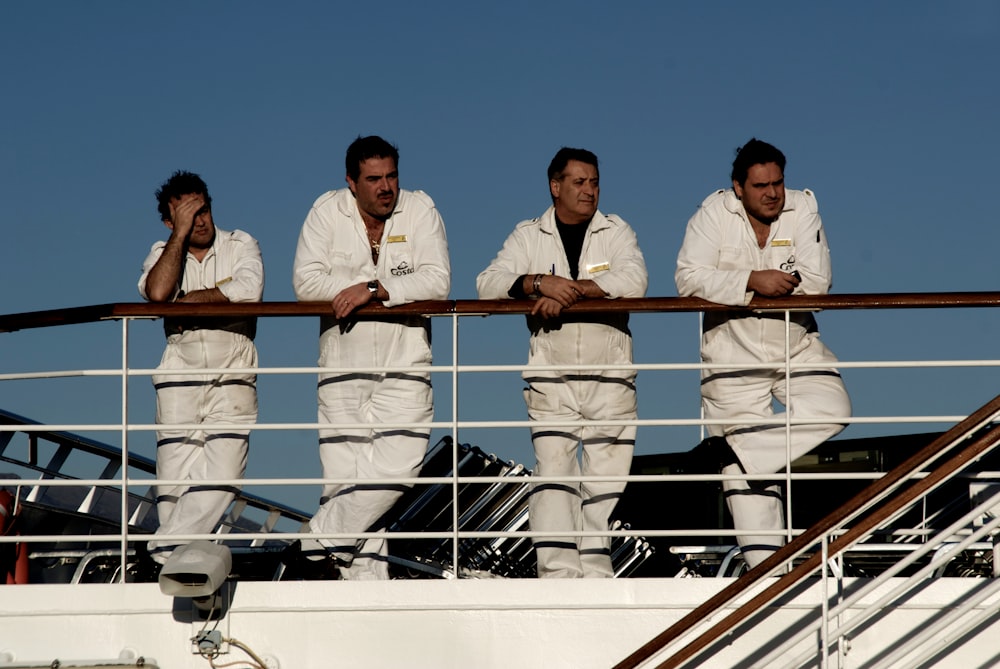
(860, 503)
(88, 314)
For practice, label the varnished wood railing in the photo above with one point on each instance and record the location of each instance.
(74, 315)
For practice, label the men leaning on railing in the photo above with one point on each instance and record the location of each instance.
(569, 253)
(369, 242)
(758, 239)
(200, 263)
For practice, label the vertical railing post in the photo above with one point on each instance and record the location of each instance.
(124, 439)
(454, 440)
(824, 632)
(702, 429)
(788, 427)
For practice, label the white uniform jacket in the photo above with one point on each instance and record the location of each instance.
(720, 250)
(334, 253)
(610, 257)
(233, 265)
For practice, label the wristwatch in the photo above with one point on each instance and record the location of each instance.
(536, 286)
(373, 287)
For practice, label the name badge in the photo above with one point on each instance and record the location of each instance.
(394, 239)
(781, 242)
(600, 267)
(223, 282)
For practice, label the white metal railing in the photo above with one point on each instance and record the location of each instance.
(456, 369)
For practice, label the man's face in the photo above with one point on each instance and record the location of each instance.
(763, 193)
(203, 226)
(575, 195)
(377, 187)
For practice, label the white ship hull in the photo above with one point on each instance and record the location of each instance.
(431, 624)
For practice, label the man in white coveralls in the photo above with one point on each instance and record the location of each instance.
(574, 252)
(370, 242)
(759, 238)
(201, 263)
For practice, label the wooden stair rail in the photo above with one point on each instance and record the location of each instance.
(971, 427)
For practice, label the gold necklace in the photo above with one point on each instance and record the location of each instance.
(375, 241)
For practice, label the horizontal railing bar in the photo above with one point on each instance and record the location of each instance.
(447, 480)
(441, 534)
(468, 424)
(88, 314)
(480, 534)
(447, 369)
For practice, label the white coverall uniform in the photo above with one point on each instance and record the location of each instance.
(334, 253)
(234, 266)
(720, 249)
(611, 258)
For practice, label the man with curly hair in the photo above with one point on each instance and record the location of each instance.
(200, 263)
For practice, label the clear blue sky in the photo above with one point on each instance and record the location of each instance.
(888, 111)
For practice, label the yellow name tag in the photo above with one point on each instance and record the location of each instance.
(602, 267)
(223, 281)
(781, 242)
(393, 239)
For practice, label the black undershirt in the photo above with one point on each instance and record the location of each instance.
(572, 240)
(572, 237)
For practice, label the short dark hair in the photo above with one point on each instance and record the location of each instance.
(364, 148)
(180, 183)
(566, 154)
(755, 152)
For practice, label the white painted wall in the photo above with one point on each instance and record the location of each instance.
(461, 624)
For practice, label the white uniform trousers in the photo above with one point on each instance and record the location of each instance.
(367, 454)
(207, 453)
(761, 449)
(607, 451)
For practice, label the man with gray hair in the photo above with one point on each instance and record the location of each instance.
(570, 253)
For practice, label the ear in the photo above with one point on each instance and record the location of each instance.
(738, 189)
(169, 224)
(352, 184)
(554, 185)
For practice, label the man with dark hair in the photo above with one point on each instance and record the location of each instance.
(574, 252)
(759, 239)
(200, 263)
(370, 242)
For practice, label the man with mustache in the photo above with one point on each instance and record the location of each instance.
(570, 253)
(201, 263)
(369, 242)
(759, 239)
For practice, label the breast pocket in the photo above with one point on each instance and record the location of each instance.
(781, 257)
(399, 258)
(341, 266)
(735, 258)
